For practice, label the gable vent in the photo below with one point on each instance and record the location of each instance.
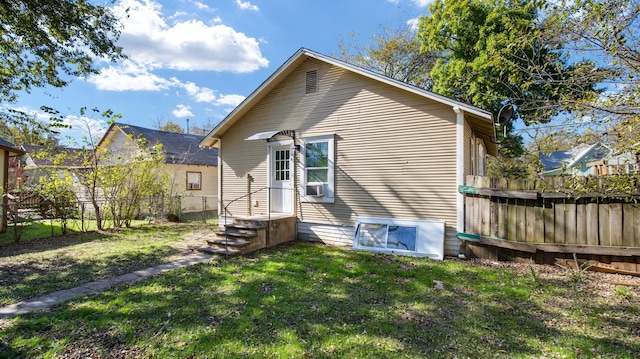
(312, 82)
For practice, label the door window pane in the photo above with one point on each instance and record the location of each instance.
(282, 170)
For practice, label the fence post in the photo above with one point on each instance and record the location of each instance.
(204, 209)
(15, 222)
(180, 208)
(82, 216)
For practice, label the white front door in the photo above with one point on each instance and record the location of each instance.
(281, 182)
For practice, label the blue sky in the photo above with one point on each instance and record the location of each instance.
(199, 59)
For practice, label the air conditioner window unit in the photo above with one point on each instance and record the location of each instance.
(315, 190)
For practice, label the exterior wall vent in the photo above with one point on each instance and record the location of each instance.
(311, 82)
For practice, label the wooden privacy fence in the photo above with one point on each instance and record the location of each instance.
(531, 216)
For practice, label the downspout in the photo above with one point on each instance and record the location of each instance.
(459, 168)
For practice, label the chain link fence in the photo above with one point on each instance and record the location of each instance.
(32, 212)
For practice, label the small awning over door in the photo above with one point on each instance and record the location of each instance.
(270, 134)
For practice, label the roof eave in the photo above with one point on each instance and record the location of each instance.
(213, 136)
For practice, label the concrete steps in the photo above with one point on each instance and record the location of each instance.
(246, 235)
(239, 238)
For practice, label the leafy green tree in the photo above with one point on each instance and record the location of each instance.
(608, 31)
(393, 53)
(495, 51)
(50, 42)
(127, 183)
(44, 42)
(30, 133)
(57, 189)
(171, 126)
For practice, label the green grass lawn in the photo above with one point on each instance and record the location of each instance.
(46, 228)
(307, 300)
(42, 265)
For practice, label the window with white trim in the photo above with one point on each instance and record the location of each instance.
(194, 180)
(317, 175)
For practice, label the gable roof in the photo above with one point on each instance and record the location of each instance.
(8, 146)
(45, 156)
(179, 148)
(556, 160)
(300, 56)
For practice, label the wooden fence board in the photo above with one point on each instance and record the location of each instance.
(521, 221)
(570, 222)
(559, 219)
(636, 240)
(539, 221)
(592, 223)
(615, 223)
(502, 218)
(512, 221)
(539, 214)
(548, 220)
(581, 223)
(604, 226)
(628, 224)
(468, 214)
(530, 222)
(493, 218)
(474, 215)
(485, 216)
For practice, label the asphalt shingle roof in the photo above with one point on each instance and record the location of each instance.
(179, 147)
(46, 156)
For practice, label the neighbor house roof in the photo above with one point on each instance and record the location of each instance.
(179, 148)
(8, 146)
(45, 156)
(582, 153)
(303, 54)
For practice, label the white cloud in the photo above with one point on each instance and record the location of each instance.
(413, 23)
(422, 3)
(185, 45)
(129, 76)
(84, 127)
(246, 5)
(204, 94)
(182, 111)
(199, 94)
(200, 5)
(230, 100)
(78, 127)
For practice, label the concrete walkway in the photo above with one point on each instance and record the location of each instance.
(50, 299)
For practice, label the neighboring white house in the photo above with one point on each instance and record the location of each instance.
(192, 170)
(575, 161)
(45, 161)
(7, 149)
(357, 157)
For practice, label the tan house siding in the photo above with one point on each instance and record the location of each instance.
(467, 149)
(119, 143)
(194, 200)
(395, 151)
